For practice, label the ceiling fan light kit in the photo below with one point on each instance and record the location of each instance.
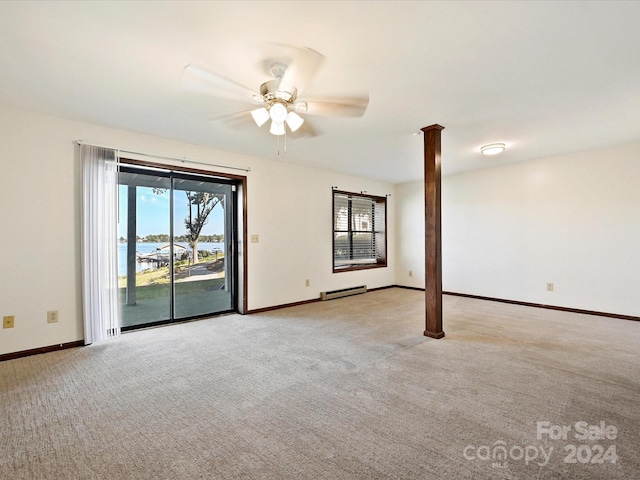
(278, 102)
(278, 114)
(493, 148)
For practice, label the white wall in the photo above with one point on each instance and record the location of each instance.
(289, 207)
(410, 258)
(572, 220)
(291, 211)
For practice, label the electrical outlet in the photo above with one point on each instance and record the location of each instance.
(549, 287)
(52, 316)
(255, 238)
(410, 273)
(307, 282)
(7, 321)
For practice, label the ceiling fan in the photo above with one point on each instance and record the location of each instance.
(277, 99)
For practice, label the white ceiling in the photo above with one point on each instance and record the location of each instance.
(543, 77)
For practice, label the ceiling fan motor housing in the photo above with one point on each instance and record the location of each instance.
(270, 93)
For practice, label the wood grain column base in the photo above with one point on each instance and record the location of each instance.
(429, 334)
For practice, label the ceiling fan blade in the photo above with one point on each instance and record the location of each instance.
(241, 119)
(306, 130)
(345, 107)
(195, 77)
(301, 71)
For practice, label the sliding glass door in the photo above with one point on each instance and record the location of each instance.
(205, 267)
(143, 231)
(176, 246)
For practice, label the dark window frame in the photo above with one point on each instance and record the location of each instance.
(240, 265)
(376, 228)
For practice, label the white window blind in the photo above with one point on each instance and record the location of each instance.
(359, 231)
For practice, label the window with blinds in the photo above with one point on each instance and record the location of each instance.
(359, 231)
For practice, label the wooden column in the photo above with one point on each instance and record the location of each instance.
(433, 236)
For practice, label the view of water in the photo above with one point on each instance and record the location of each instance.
(146, 248)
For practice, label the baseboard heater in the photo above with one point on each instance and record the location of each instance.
(344, 292)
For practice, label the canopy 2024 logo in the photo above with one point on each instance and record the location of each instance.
(499, 454)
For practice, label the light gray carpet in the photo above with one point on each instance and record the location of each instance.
(345, 389)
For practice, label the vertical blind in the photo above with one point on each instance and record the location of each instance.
(101, 313)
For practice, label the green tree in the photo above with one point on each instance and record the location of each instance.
(201, 204)
(156, 238)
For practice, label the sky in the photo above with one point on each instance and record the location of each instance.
(153, 214)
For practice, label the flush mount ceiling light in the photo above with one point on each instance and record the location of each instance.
(493, 148)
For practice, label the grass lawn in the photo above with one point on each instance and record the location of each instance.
(193, 297)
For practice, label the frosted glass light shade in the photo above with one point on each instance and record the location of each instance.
(260, 116)
(294, 121)
(278, 112)
(277, 128)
